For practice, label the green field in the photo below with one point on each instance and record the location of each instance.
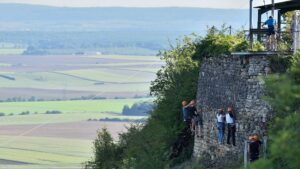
(102, 75)
(80, 80)
(79, 106)
(54, 152)
(129, 57)
(43, 153)
(40, 141)
(72, 111)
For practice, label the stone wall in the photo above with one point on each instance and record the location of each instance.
(236, 80)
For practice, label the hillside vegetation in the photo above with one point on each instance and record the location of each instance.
(148, 146)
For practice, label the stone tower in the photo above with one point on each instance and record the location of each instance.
(238, 81)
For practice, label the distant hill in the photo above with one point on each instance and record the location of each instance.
(134, 30)
(38, 12)
(149, 17)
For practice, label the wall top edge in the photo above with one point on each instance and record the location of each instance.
(263, 53)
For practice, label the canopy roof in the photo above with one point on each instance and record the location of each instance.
(286, 6)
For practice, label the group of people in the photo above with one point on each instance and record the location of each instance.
(191, 118)
(227, 119)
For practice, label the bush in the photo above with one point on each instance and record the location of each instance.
(53, 112)
(25, 113)
(258, 47)
(218, 43)
(2, 114)
(138, 109)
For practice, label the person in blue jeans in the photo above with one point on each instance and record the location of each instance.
(220, 125)
(186, 115)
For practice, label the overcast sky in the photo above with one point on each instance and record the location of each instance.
(144, 3)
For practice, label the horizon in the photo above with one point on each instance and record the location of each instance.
(91, 7)
(213, 4)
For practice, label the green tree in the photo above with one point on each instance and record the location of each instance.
(284, 96)
(107, 154)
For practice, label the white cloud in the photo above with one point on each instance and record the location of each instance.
(145, 3)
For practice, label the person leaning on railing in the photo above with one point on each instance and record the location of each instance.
(271, 26)
(271, 44)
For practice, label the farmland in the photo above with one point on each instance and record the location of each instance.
(78, 106)
(72, 111)
(82, 88)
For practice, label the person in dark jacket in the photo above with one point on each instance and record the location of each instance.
(193, 113)
(254, 147)
(230, 120)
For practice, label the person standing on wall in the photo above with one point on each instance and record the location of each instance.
(230, 120)
(254, 147)
(220, 125)
(271, 44)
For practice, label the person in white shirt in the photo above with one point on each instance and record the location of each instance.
(220, 125)
(230, 120)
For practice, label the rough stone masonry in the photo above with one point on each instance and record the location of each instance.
(238, 81)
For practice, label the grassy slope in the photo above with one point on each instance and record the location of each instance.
(44, 152)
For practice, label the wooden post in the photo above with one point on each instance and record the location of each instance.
(246, 154)
(259, 24)
(265, 141)
(273, 8)
(279, 25)
(250, 24)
